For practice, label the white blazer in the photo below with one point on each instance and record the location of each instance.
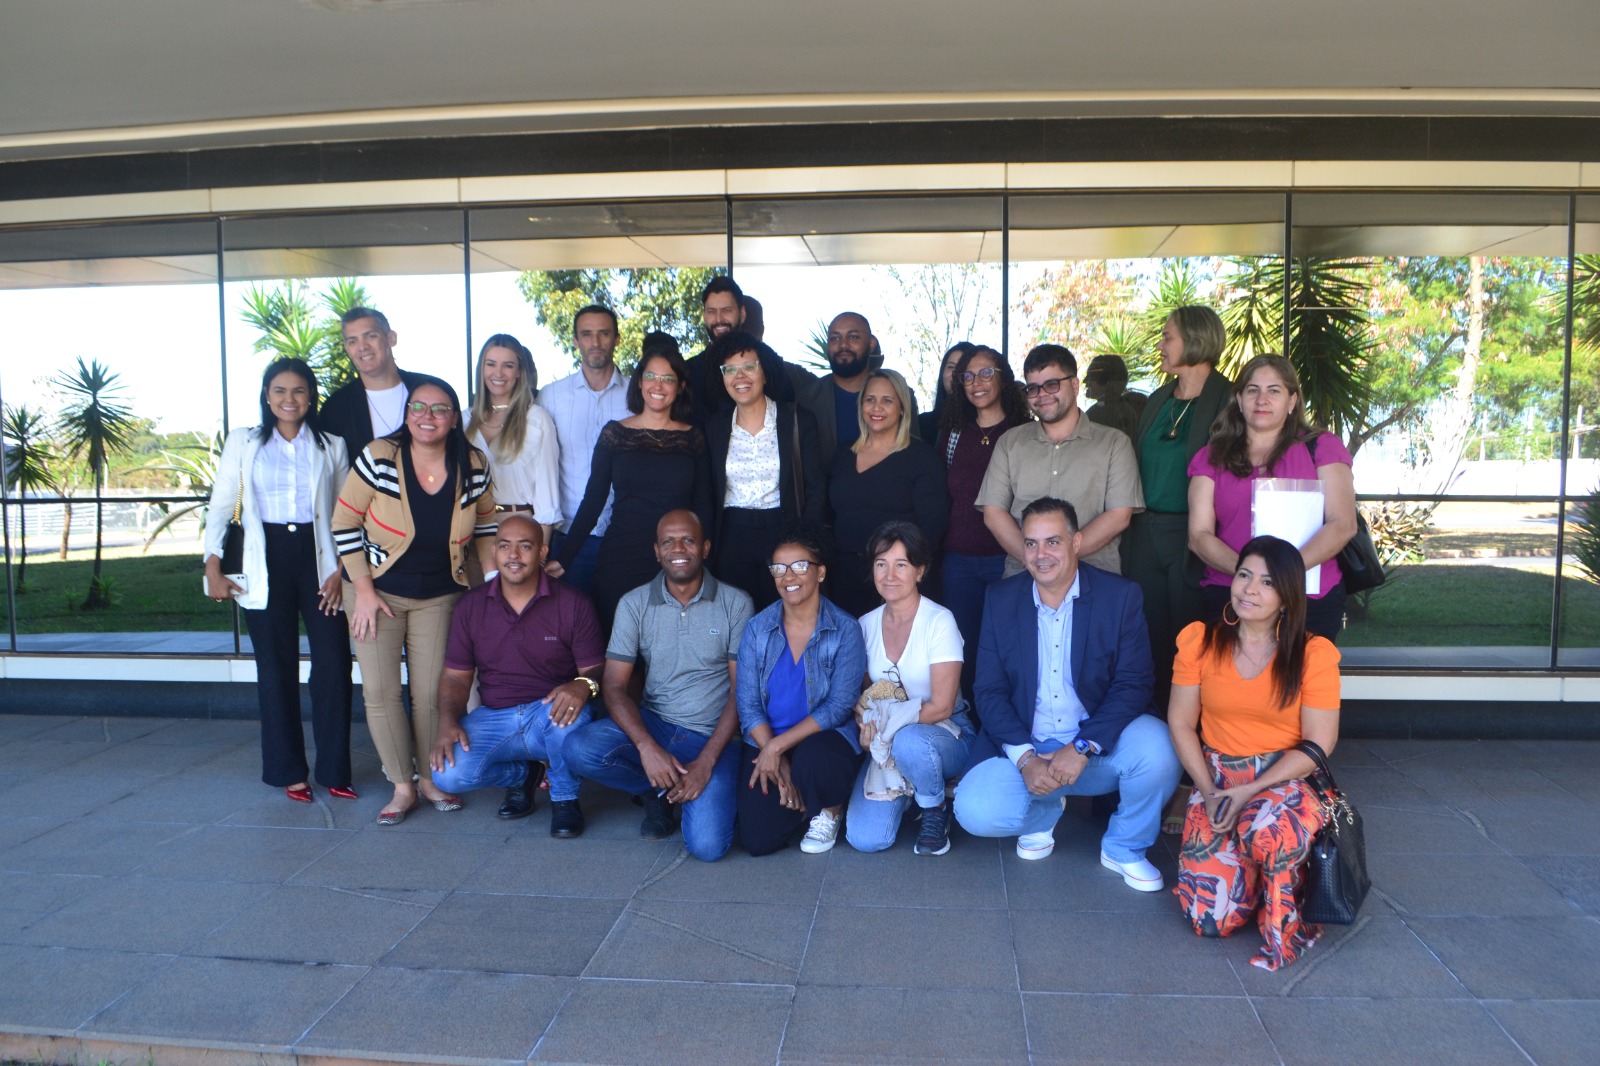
(328, 468)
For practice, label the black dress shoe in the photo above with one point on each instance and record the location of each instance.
(657, 824)
(519, 798)
(566, 818)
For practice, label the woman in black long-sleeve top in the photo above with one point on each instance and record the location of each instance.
(886, 476)
(766, 473)
(654, 462)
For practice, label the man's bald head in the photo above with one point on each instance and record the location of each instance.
(519, 550)
(850, 344)
(681, 546)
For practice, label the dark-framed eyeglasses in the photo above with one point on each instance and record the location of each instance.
(799, 566)
(981, 374)
(417, 407)
(1049, 388)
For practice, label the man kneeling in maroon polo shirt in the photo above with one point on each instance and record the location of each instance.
(535, 646)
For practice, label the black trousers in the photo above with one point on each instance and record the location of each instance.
(823, 767)
(1324, 616)
(292, 588)
(743, 547)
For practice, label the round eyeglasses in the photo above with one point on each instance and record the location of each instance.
(981, 374)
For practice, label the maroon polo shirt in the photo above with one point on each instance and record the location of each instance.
(520, 658)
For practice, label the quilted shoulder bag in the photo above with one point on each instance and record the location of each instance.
(1336, 880)
(233, 536)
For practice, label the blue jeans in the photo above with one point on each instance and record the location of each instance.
(580, 575)
(502, 741)
(602, 752)
(966, 579)
(927, 756)
(992, 801)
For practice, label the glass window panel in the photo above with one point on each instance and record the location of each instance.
(112, 325)
(1477, 594)
(534, 265)
(1580, 581)
(1465, 335)
(925, 271)
(298, 272)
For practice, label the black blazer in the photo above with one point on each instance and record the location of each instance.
(347, 415)
(1214, 396)
(802, 479)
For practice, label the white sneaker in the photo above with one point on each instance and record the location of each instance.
(1036, 845)
(823, 833)
(1032, 846)
(1140, 875)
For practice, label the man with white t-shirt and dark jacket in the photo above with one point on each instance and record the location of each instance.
(374, 404)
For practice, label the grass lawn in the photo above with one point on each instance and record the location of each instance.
(152, 592)
(1466, 605)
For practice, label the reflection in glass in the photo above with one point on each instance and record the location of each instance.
(1580, 583)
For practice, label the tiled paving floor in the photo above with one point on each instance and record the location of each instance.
(156, 900)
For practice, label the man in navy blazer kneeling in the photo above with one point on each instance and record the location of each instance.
(1063, 688)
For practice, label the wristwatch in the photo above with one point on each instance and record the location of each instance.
(1085, 747)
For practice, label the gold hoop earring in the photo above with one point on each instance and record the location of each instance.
(1225, 615)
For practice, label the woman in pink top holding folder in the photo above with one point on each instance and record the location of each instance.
(1263, 433)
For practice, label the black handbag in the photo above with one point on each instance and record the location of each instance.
(1336, 880)
(1358, 559)
(233, 536)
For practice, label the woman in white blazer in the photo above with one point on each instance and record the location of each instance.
(283, 477)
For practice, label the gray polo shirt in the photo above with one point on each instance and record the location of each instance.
(1094, 470)
(686, 648)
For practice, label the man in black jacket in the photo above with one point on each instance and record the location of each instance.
(373, 405)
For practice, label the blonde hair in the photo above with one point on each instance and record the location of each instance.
(902, 438)
(514, 431)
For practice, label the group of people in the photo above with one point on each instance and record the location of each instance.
(768, 604)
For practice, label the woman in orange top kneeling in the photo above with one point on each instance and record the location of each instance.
(1245, 691)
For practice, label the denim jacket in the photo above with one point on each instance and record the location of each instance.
(835, 662)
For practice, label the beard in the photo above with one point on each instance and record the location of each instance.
(847, 365)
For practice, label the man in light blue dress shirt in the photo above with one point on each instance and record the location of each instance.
(581, 404)
(1063, 689)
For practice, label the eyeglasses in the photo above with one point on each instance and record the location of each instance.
(981, 374)
(799, 566)
(417, 407)
(665, 379)
(730, 369)
(1050, 387)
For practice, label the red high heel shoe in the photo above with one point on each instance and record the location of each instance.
(299, 795)
(343, 793)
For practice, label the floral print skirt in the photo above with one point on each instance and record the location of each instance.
(1255, 867)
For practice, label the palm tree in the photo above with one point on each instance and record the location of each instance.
(94, 425)
(290, 325)
(194, 467)
(1328, 336)
(28, 459)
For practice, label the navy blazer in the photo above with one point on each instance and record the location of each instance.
(1112, 671)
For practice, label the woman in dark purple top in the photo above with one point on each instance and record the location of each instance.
(985, 403)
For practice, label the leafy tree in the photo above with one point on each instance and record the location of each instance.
(295, 322)
(1068, 304)
(947, 305)
(94, 426)
(645, 299)
(29, 458)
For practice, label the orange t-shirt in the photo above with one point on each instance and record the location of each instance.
(1239, 717)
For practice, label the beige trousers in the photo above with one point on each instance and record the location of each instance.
(420, 629)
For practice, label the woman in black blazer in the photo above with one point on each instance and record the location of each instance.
(766, 470)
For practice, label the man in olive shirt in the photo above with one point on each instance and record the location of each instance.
(1065, 456)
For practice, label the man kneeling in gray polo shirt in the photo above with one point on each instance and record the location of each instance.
(673, 746)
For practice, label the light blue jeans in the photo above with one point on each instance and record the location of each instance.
(502, 742)
(927, 756)
(992, 800)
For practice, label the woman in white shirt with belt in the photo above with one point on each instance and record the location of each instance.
(283, 477)
(517, 435)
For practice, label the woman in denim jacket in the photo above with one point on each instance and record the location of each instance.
(800, 668)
